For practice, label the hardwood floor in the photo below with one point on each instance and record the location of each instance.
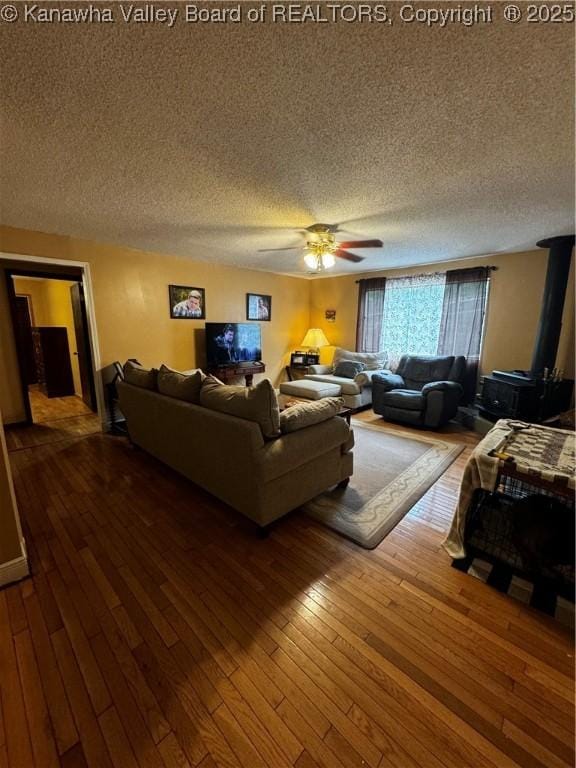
(52, 408)
(55, 419)
(157, 630)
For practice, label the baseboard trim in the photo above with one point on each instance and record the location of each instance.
(14, 570)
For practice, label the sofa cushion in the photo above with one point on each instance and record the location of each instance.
(139, 376)
(347, 386)
(348, 369)
(372, 360)
(258, 403)
(405, 399)
(297, 453)
(303, 415)
(182, 386)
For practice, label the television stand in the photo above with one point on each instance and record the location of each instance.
(228, 372)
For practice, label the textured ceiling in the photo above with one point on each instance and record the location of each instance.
(217, 140)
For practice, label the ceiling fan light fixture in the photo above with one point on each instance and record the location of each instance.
(318, 262)
(311, 260)
(320, 251)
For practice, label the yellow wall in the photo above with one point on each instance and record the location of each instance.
(513, 311)
(52, 306)
(131, 303)
(37, 292)
(131, 306)
(567, 347)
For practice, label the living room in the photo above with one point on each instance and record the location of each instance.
(130, 290)
(144, 621)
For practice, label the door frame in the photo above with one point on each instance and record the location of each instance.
(83, 353)
(28, 298)
(86, 279)
(13, 302)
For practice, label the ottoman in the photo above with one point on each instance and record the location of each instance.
(310, 390)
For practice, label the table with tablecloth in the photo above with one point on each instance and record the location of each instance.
(541, 455)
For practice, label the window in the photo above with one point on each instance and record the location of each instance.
(436, 314)
(412, 315)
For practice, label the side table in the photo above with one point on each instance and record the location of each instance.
(296, 371)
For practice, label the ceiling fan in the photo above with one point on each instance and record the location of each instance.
(322, 249)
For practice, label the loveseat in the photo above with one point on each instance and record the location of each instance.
(246, 461)
(423, 392)
(355, 387)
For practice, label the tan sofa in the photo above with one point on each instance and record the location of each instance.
(229, 456)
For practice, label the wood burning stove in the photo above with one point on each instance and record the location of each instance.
(540, 393)
(505, 395)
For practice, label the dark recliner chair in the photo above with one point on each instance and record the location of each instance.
(424, 391)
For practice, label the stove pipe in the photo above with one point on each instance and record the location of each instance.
(550, 323)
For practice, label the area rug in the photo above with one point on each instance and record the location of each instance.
(392, 470)
(558, 603)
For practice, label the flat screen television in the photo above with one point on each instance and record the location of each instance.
(231, 343)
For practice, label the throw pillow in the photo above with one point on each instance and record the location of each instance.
(303, 415)
(364, 379)
(139, 376)
(348, 368)
(372, 360)
(258, 403)
(179, 385)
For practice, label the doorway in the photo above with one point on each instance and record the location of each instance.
(53, 346)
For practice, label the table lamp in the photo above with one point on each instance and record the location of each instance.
(315, 339)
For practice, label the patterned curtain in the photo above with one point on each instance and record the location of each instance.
(412, 313)
(463, 320)
(370, 314)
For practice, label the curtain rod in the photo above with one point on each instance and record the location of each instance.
(429, 274)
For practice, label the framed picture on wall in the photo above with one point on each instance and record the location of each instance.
(187, 303)
(258, 306)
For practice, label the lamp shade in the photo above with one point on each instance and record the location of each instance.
(315, 338)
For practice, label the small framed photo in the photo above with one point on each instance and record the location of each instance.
(258, 307)
(187, 303)
(330, 315)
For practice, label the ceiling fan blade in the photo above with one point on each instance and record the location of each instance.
(348, 256)
(293, 248)
(362, 244)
